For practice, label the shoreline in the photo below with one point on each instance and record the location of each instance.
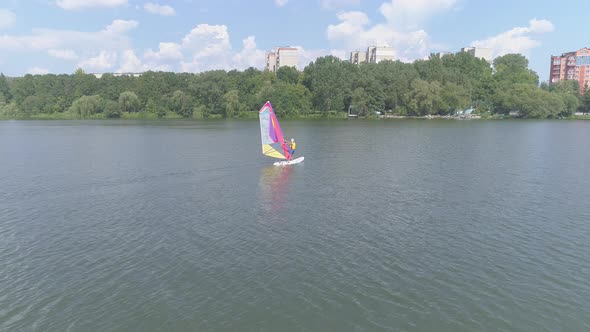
(152, 117)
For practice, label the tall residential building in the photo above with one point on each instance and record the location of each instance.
(377, 54)
(373, 54)
(571, 66)
(99, 75)
(271, 61)
(357, 57)
(280, 57)
(442, 53)
(480, 52)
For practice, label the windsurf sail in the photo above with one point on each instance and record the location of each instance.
(273, 142)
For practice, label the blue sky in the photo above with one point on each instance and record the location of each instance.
(58, 36)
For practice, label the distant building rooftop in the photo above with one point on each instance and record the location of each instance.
(99, 75)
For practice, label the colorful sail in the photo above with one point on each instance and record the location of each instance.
(273, 142)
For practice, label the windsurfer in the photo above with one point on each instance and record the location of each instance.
(292, 147)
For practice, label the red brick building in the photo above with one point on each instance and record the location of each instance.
(571, 66)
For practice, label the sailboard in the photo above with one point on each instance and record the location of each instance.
(273, 141)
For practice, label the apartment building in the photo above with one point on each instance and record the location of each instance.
(280, 57)
(374, 54)
(357, 57)
(480, 52)
(571, 66)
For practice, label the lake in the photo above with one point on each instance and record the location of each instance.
(401, 225)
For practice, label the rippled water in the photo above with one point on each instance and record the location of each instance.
(388, 225)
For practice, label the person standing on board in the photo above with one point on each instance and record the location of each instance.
(292, 147)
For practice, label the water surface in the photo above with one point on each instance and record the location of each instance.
(387, 225)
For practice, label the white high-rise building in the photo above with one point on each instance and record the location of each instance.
(271, 61)
(376, 54)
(480, 52)
(357, 57)
(282, 56)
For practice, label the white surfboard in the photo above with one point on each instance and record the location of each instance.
(289, 162)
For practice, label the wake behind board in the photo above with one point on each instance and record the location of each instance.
(288, 162)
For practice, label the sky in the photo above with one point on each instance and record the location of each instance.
(59, 36)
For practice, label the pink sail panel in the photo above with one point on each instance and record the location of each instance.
(275, 131)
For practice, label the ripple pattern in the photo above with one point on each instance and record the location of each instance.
(387, 226)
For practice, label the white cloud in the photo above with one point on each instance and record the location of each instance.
(120, 26)
(103, 61)
(94, 51)
(207, 40)
(409, 14)
(281, 3)
(37, 71)
(224, 58)
(81, 4)
(130, 63)
(338, 4)
(155, 8)
(306, 56)
(7, 18)
(167, 51)
(205, 47)
(541, 26)
(112, 37)
(249, 56)
(63, 54)
(516, 40)
(355, 33)
(352, 25)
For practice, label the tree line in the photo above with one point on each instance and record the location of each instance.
(439, 85)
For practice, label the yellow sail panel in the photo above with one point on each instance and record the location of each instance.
(268, 150)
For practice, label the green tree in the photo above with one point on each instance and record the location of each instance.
(128, 102)
(181, 104)
(585, 103)
(533, 102)
(151, 106)
(84, 84)
(329, 81)
(564, 86)
(453, 97)
(9, 109)
(395, 80)
(231, 104)
(31, 105)
(425, 98)
(86, 106)
(209, 88)
(4, 89)
(360, 101)
(431, 69)
(571, 102)
(288, 74)
(289, 99)
(513, 69)
(22, 87)
(111, 109)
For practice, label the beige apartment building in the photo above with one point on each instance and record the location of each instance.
(281, 57)
(374, 54)
(480, 52)
(357, 57)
